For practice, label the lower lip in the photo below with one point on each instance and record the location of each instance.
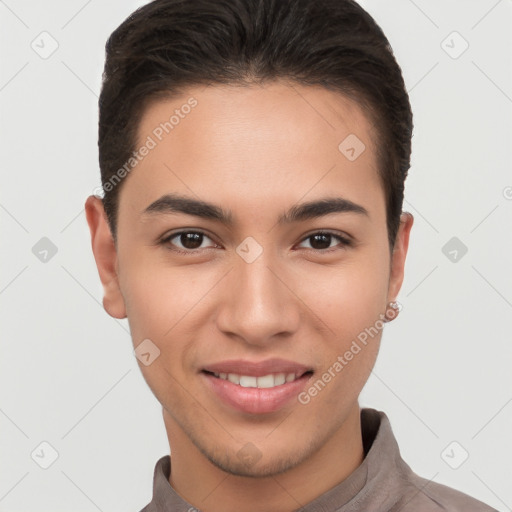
(256, 400)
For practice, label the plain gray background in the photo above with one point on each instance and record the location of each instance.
(68, 376)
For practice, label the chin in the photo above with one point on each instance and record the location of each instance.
(250, 462)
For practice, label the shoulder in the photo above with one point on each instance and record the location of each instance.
(426, 496)
(398, 487)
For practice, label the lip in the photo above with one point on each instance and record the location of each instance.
(258, 368)
(256, 400)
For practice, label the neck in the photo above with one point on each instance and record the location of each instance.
(209, 488)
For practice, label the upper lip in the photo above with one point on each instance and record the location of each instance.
(257, 368)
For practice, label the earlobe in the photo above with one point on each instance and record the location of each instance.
(105, 255)
(399, 255)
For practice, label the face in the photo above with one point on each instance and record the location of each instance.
(264, 288)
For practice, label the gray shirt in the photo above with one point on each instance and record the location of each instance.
(382, 483)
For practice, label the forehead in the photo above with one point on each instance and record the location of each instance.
(274, 110)
(268, 141)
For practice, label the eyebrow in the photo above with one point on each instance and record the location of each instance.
(173, 203)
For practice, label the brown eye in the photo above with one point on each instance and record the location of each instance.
(186, 241)
(191, 240)
(322, 241)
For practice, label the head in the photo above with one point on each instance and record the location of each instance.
(289, 118)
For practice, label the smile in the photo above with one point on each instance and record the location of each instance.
(249, 381)
(256, 387)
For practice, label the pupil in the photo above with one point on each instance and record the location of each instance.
(326, 240)
(190, 240)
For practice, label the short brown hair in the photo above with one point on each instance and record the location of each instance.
(167, 45)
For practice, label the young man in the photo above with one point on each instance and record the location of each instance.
(253, 155)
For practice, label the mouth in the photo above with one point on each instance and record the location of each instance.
(256, 388)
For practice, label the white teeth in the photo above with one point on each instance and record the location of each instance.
(247, 381)
(266, 381)
(279, 379)
(234, 378)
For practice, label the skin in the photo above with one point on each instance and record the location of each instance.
(257, 151)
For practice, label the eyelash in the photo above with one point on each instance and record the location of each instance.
(345, 242)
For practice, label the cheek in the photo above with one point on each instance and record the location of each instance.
(156, 307)
(146, 305)
(348, 297)
(156, 296)
(350, 301)
(165, 305)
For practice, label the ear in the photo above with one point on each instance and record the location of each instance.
(105, 254)
(399, 254)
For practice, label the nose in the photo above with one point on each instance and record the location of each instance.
(259, 304)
